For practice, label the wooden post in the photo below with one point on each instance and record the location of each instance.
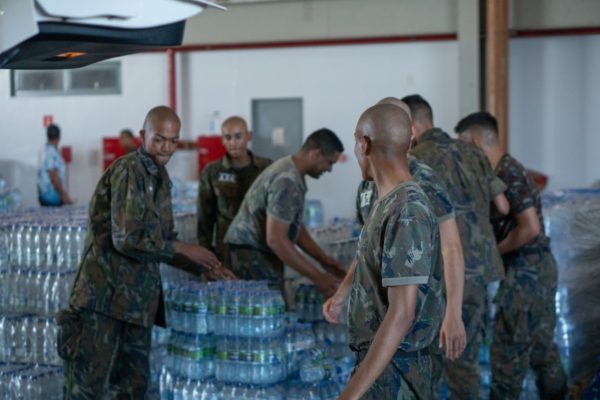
(497, 65)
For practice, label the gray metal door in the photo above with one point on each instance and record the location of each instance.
(276, 127)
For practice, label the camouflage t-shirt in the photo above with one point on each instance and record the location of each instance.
(398, 245)
(472, 186)
(422, 174)
(130, 232)
(220, 193)
(522, 194)
(278, 191)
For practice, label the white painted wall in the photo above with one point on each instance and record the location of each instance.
(554, 107)
(554, 103)
(83, 120)
(336, 84)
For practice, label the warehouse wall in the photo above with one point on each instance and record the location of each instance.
(554, 104)
(84, 120)
(554, 98)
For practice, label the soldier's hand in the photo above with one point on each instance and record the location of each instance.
(327, 284)
(453, 338)
(220, 273)
(334, 267)
(199, 255)
(332, 308)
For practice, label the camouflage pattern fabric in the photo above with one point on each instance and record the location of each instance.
(524, 329)
(464, 374)
(407, 376)
(220, 193)
(251, 264)
(526, 315)
(521, 194)
(130, 232)
(422, 174)
(112, 364)
(278, 191)
(399, 245)
(471, 185)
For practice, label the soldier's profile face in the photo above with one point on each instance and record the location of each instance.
(323, 163)
(160, 142)
(235, 138)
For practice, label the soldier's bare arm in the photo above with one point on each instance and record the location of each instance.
(334, 305)
(453, 337)
(501, 204)
(277, 240)
(527, 228)
(306, 243)
(396, 323)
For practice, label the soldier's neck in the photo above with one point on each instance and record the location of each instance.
(241, 162)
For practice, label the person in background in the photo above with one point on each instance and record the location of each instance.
(104, 336)
(264, 233)
(127, 141)
(396, 301)
(473, 187)
(224, 183)
(525, 307)
(452, 338)
(51, 172)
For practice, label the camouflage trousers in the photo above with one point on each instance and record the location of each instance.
(251, 264)
(524, 329)
(463, 374)
(407, 377)
(103, 357)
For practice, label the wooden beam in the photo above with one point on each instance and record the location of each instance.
(497, 34)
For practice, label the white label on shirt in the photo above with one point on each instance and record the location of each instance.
(365, 198)
(226, 177)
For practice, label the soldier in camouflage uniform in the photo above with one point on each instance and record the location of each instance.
(452, 333)
(396, 302)
(263, 234)
(104, 338)
(525, 315)
(224, 183)
(472, 186)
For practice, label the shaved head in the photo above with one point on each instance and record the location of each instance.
(160, 135)
(160, 114)
(388, 128)
(396, 102)
(235, 121)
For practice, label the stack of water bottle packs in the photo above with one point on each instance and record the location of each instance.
(39, 253)
(40, 250)
(234, 340)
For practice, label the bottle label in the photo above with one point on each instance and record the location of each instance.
(245, 311)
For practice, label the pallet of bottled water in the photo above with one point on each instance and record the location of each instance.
(234, 340)
(27, 338)
(27, 381)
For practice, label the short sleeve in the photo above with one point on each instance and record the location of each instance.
(519, 193)
(51, 160)
(436, 191)
(495, 184)
(408, 253)
(285, 200)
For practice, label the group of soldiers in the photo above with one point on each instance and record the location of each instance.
(442, 218)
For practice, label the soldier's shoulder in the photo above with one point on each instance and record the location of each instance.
(213, 166)
(262, 162)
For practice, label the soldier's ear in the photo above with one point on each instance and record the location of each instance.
(364, 145)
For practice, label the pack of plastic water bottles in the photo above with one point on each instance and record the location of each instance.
(29, 381)
(234, 340)
(40, 251)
